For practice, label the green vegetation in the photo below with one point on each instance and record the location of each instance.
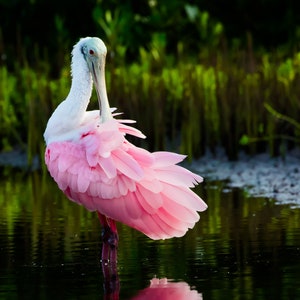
(197, 92)
(205, 104)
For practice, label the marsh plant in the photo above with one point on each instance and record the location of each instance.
(230, 98)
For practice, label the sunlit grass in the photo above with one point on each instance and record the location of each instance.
(188, 105)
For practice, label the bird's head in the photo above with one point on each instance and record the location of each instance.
(94, 52)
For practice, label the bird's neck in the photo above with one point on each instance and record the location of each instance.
(70, 113)
(80, 93)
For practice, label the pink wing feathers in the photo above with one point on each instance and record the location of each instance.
(147, 191)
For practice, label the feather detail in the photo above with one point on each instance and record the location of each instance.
(184, 197)
(149, 200)
(147, 191)
(133, 207)
(164, 158)
(108, 166)
(130, 130)
(176, 175)
(144, 157)
(180, 212)
(127, 165)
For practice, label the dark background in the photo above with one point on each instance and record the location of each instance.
(26, 24)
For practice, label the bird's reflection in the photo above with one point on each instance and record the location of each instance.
(167, 290)
(111, 283)
(159, 289)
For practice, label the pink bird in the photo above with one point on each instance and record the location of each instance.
(90, 159)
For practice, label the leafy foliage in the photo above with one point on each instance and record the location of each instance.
(171, 66)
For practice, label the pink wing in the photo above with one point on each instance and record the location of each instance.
(106, 173)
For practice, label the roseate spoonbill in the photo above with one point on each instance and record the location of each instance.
(90, 159)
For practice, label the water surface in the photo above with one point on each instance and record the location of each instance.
(242, 248)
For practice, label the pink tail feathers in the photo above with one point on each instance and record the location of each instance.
(163, 205)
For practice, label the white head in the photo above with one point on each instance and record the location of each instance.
(88, 52)
(93, 51)
(91, 46)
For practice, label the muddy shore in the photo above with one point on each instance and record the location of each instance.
(261, 176)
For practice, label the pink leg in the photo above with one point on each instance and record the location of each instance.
(110, 239)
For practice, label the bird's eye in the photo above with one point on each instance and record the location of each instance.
(92, 52)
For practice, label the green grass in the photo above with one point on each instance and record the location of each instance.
(233, 99)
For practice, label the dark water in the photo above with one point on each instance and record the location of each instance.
(242, 248)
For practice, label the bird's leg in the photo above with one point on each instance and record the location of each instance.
(110, 244)
(110, 239)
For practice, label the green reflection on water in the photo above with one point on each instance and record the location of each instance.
(241, 248)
